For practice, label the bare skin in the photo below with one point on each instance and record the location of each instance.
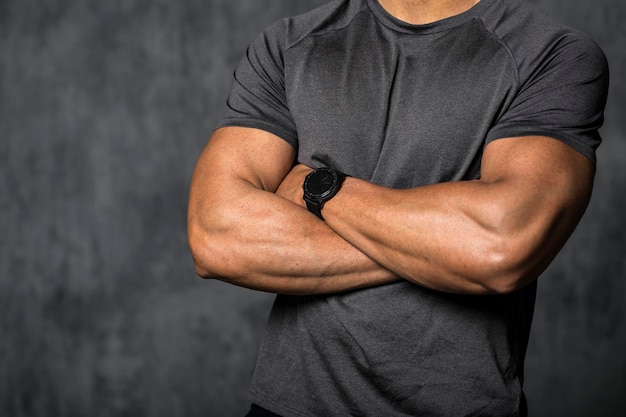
(419, 12)
(493, 235)
(243, 233)
(248, 225)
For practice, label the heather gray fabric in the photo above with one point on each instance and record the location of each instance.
(351, 87)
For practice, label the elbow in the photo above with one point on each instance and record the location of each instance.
(202, 268)
(202, 265)
(506, 283)
(203, 272)
(204, 252)
(507, 269)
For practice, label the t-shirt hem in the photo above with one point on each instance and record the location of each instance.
(511, 133)
(268, 127)
(269, 404)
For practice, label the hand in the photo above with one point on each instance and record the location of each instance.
(291, 187)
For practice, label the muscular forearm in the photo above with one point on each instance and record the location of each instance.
(256, 239)
(428, 235)
(493, 235)
(241, 232)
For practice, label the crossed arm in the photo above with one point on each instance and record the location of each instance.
(248, 224)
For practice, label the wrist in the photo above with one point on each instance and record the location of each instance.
(320, 186)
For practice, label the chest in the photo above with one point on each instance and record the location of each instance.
(398, 110)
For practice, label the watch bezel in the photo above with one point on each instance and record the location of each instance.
(329, 191)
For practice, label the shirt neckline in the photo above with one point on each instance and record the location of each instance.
(441, 25)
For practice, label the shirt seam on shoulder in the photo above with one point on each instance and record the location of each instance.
(326, 31)
(507, 49)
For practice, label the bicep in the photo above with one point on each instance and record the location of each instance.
(541, 188)
(235, 155)
(235, 164)
(234, 178)
(538, 167)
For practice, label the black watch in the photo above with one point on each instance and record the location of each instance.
(320, 186)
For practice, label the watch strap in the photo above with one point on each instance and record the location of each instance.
(315, 204)
(315, 208)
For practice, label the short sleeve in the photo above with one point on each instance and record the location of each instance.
(257, 98)
(562, 96)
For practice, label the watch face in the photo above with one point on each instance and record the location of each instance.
(321, 183)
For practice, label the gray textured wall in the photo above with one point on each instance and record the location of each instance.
(104, 107)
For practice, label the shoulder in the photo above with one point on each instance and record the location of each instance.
(536, 41)
(331, 16)
(562, 77)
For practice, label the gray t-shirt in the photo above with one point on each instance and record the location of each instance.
(350, 86)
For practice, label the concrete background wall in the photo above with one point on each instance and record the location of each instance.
(104, 107)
